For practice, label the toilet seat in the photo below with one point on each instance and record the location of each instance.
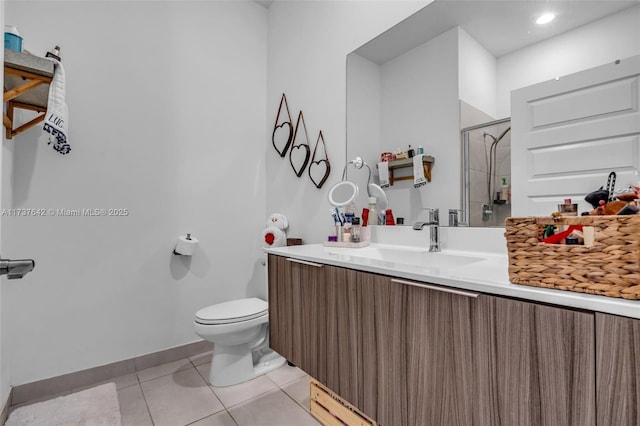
(232, 312)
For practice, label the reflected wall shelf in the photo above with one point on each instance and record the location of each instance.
(427, 163)
(26, 86)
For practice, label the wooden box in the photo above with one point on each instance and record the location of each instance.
(331, 410)
(610, 266)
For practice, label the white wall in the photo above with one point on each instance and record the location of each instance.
(167, 119)
(598, 43)
(477, 74)
(308, 44)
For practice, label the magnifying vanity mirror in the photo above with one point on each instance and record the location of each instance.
(344, 192)
(452, 66)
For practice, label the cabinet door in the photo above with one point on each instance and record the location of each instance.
(297, 315)
(539, 367)
(440, 355)
(281, 295)
(618, 370)
(418, 353)
(382, 358)
(342, 343)
(314, 321)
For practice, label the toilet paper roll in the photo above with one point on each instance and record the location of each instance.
(184, 246)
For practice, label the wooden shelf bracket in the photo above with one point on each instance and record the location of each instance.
(26, 86)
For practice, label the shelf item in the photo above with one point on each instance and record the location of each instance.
(26, 86)
(427, 163)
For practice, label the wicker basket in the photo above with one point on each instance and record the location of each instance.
(609, 267)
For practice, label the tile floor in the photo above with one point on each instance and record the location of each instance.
(178, 394)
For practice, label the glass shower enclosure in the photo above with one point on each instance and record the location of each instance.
(486, 158)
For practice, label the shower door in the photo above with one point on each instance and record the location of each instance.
(486, 192)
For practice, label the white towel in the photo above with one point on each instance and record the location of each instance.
(55, 124)
(383, 172)
(419, 178)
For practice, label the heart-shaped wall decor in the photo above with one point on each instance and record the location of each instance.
(300, 152)
(320, 167)
(282, 130)
(281, 137)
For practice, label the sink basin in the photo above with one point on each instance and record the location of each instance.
(411, 256)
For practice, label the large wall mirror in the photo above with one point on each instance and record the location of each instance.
(452, 66)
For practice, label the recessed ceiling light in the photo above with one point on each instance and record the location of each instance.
(545, 18)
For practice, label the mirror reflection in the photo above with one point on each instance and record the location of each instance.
(415, 84)
(486, 169)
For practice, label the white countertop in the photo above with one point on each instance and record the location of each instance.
(488, 275)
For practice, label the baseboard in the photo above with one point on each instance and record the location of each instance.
(67, 382)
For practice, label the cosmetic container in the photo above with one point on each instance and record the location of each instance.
(568, 208)
(355, 230)
(373, 213)
(389, 220)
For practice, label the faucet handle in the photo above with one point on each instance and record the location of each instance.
(454, 217)
(434, 216)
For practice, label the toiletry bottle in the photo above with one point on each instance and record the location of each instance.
(54, 53)
(410, 152)
(373, 212)
(355, 230)
(389, 220)
(346, 233)
(350, 212)
(420, 149)
(504, 189)
(568, 208)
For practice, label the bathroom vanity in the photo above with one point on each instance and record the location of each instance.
(414, 339)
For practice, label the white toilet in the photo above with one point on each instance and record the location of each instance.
(239, 330)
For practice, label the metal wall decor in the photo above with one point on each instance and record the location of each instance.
(282, 129)
(319, 168)
(294, 141)
(300, 152)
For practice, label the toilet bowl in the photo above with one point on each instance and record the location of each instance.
(239, 330)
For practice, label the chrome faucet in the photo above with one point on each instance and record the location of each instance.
(16, 268)
(434, 231)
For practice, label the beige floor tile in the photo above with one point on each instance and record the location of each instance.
(203, 369)
(164, 369)
(180, 398)
(273, 408)
(220, 419)
(201, 359)
(133, 408)
(285, 374)
(299, 390)
(234, 395)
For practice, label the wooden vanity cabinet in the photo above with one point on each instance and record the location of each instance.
(538, 365)
(314, 321)
(406, 354)
(618, 370)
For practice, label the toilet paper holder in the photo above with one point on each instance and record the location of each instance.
(185, 246)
